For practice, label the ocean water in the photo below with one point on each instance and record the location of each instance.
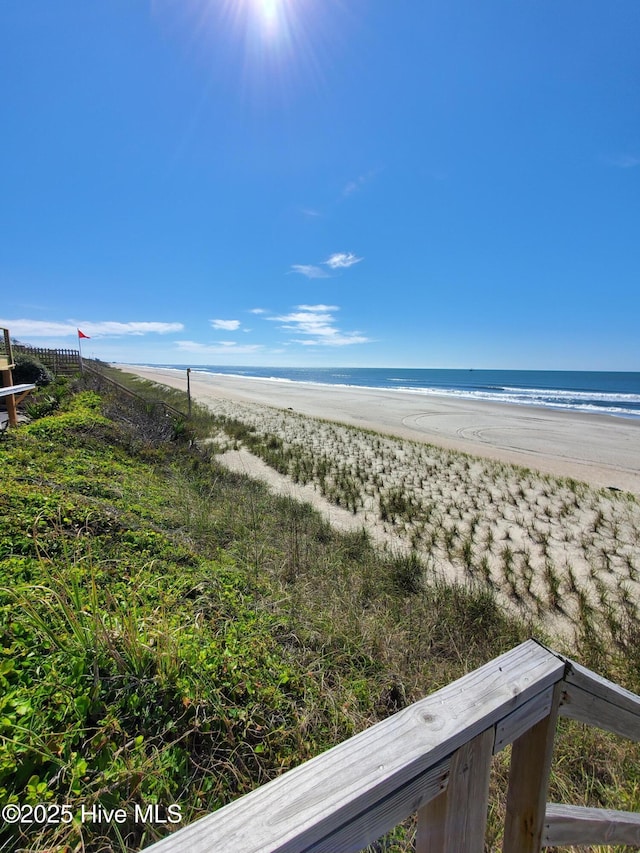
(606, 393)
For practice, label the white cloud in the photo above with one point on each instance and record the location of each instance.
(337, 339)
(309, 270)
(217, 348)
(228, 325)
(319, 307)
(318, 323)
(29, 329)
(337, 261)
(257, 311)
(342, 260)
(109, 328)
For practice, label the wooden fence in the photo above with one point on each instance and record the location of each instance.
(166, 409)
(65, 362)
(434, 758)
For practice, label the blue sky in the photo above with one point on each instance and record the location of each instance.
(420, 183)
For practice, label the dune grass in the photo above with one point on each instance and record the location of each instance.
(174, 633)
(552, 549)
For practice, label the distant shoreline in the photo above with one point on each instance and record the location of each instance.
(595, 448)
(612, 393)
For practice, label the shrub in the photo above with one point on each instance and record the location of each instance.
(29, 370)
(45, 401)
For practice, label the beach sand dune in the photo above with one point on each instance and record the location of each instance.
(601, 450)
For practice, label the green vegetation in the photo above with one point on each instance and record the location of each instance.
(29, 369)
(171, 633)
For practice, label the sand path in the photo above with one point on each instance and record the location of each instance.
(244, 462)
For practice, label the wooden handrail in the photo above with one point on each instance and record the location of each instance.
(17, 391)
(591, 699)
(576, 825)
(432, 758)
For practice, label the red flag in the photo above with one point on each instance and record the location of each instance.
(82, 334)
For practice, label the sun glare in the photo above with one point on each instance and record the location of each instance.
(268, 9)
(266, 38)
(272, 18)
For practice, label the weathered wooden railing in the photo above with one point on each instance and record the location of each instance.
(434, 758)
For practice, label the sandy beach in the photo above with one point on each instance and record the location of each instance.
(557, 542)
(601, 450)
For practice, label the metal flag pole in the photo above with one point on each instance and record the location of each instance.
(81, 335)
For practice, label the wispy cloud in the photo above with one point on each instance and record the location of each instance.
(624, 161)
(337, 261)
(356, 185)
(337, 340)
(109, 328)
(342, 260)
(317, 323)
(228, 325)
(309, 211)
(22, 328)
(217, 347)
(309, 270)
(258, 311)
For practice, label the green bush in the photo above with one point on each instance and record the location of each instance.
(46, 400)
(42, 407)
(29, 370)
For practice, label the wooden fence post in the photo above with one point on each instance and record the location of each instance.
(529, 782)
(10, 400)
(457, 818)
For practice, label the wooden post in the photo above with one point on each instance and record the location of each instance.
(529, 782)
(6, 349)
(457, 818)
(189, 389)
(10, 399)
